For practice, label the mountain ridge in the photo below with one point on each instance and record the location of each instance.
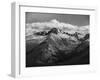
(54, 46)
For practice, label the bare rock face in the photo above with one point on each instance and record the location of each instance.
(56, 48)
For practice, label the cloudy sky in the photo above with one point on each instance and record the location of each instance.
(79, 20)
(36, 22)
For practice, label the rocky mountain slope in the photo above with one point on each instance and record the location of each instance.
(57, 47)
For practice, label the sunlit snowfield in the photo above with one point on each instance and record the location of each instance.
(53, 42)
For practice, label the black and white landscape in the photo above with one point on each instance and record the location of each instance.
(56, 39)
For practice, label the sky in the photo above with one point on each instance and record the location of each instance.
(78, 20)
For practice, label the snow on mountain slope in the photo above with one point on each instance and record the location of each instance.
(46, 26)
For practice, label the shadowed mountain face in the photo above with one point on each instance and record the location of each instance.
(56, 47)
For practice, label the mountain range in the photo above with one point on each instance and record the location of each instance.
(56, 47)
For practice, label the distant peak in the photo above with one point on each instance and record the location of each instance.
(54, 21)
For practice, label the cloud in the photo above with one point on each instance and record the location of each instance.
(41, 26)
